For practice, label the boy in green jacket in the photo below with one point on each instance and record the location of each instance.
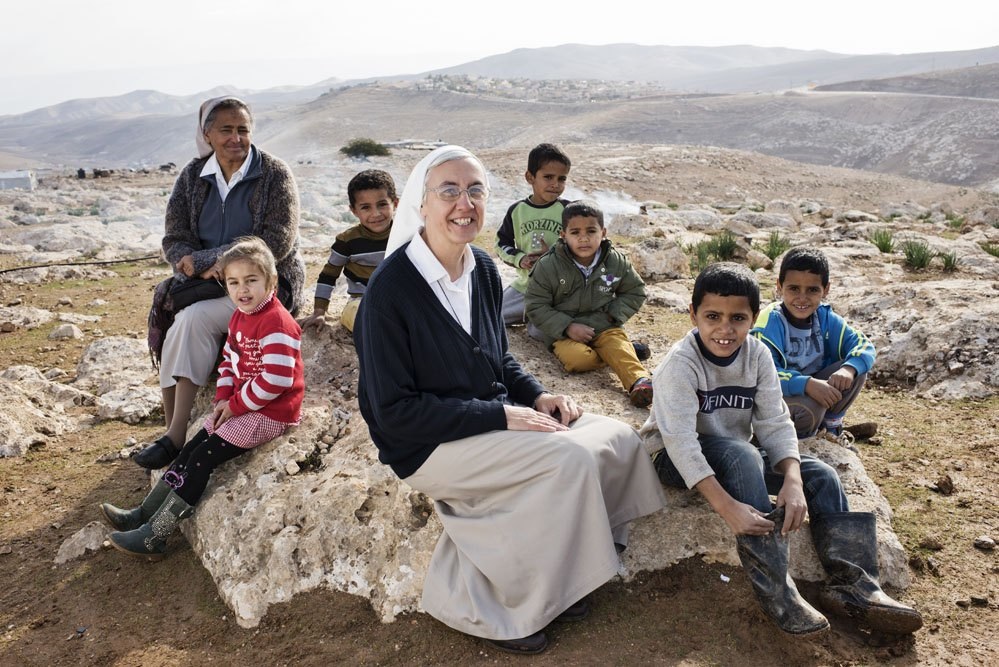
(580, 294)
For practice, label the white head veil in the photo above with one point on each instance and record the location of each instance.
(204, 148)
(408, 219)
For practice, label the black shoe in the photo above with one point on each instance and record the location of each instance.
(642, 351)
(158, 454)
(576, 612)
(535, 643)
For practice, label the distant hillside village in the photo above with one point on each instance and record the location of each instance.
(555, 91)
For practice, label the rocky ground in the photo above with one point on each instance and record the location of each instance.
(934, 457)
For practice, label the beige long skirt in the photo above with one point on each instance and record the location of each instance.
(530, 521)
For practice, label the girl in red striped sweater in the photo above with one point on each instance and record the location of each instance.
(258, 397)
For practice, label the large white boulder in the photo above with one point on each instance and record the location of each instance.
(315, 509)
(34, 409)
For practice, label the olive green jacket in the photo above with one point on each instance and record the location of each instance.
(558, 295)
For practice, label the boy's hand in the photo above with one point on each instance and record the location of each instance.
(579, 332)
(315, 320)
(220, 413)
(792, 495)
(745, 519)
(822, 392)
(741, 518)
(528, 260)
(843, 378)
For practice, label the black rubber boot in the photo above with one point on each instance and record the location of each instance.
(120, 519)
(149, 540)
(158, 454)
(847, 545)
(764, 557)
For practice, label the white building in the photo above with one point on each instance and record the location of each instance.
(17, 180)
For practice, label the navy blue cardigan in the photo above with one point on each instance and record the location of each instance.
(423, 379)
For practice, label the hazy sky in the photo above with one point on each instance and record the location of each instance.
(54, 50)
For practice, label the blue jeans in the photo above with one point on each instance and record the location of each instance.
(745, 473)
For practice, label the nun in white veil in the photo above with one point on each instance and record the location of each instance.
(534, 496)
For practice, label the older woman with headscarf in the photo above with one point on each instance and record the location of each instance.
(232, 189)
(534, 496)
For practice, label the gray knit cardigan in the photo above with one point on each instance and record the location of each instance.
(274, 211)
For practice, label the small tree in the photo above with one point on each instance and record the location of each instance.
(364, 147)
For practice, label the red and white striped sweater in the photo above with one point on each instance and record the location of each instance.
(261, 365)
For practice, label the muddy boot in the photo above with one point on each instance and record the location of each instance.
(764, 557)
(131, 519)
(149, 540)
(847, 545)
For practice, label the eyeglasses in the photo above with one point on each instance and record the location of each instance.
(476, 193)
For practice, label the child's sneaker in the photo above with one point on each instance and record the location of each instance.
(642, 351)
(641, 393)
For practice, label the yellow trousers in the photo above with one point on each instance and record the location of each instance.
(349, 312)
(611, 348)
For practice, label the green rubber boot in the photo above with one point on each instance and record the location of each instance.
(120, 519)
(149, 540)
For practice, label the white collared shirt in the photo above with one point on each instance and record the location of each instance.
(456, 297)
(587, 270)
(213, 167)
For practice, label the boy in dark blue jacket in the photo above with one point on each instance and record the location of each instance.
(822, 362)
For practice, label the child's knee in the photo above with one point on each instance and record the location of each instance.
(577, 358)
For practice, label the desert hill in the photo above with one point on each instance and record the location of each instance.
(943, 139)
(722, 69)
(980, 81)
(583, 94)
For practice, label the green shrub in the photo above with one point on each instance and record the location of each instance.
(700, 255)
(955, 221)
(364, 147)
(918, 254)
(724, 246)
(991, 248)
(883, 239)
(775, 246)
(950, 260)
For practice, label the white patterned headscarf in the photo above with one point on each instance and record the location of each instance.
(204, 148)
(408, 219)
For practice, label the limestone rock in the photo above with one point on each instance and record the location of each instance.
(921, 351)
(65, 331)
(634, 226)
(673, 295)
(658, 259)
(114, 363)
(765, 220)
(131, 404)
(26, 317)
(34, 409)
(345, 522)
(856, 216)
(784, 208)
(88, 538)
